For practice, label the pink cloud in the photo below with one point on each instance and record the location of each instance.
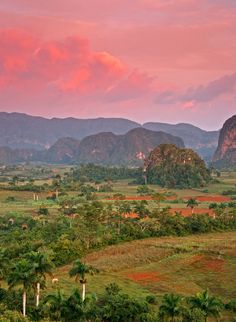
(148, 59)
(224, 86)
(65, 65)
(189, 105)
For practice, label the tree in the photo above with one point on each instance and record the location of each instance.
(42, 265)
(158, 197)
(3, 263)
(79, 270)
(122, 208)
(22, 274)
(140, 207)
(75, 309)
(11, 315)
(210, 305)
(56, 304)
(120, 307)
(171, 307)
(143, 190)
(15, 180)
(43, 211)
(192, 203)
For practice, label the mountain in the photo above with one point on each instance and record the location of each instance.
(63, 151)
(128, 149)
(19, 130)
(108, 148)
(203, 142)
(101, 148)
(171, 166)
(10, 156)
(225, 155)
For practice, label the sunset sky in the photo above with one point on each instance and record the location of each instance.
(146, 60)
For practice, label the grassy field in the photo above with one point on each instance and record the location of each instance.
(183, 265)
(24, 203)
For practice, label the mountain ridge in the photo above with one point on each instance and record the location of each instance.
(19, 130)
(102, 148)
(128, 149)
(203, 142)
(225, 154)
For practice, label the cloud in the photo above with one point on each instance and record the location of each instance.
(188, 105)
(68, 66)
(223, 86)
(134, 85)
(216, 88)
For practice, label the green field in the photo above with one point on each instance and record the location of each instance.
(184, 265)
(151, 266)
(24, 200)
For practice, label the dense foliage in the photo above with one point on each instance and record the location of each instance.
(173, 167)
(69, 222)
(98, 173)
(100, 224)
(112, 306)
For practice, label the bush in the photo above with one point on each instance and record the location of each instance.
(10, 199)
(151, 299)
(43, 211)
(231, 306)
(106, 188)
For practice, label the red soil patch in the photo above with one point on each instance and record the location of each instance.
(196, 258)
(210, 198)
(130, 215)
(138, 198)
(186, 212)
(144, 277)
(216, 198)
(172, 198)
(133, 198)
(208, 263)
(215, 265)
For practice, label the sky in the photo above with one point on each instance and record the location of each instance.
(147, 60)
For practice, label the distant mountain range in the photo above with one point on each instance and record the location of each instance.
(24, 131)
(203, 142)
(12, 156)
(19, 131)
(103, 148)
(129, 149)
(225, 155)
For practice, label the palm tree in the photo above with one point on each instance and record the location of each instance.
(122, 208)
(192, 203)
(56, 303)
(171, 306)
(78, 310)
(22, 274)
(140, 207)
(42, 265)
(158, 197)
(210, 305)
(79, 270)
(3, 263)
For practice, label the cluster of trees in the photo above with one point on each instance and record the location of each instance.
(222, 205)
(229, 192)
(82, 225)
(112, 306)
(32, 244)
(167, 166)
(98, 173)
